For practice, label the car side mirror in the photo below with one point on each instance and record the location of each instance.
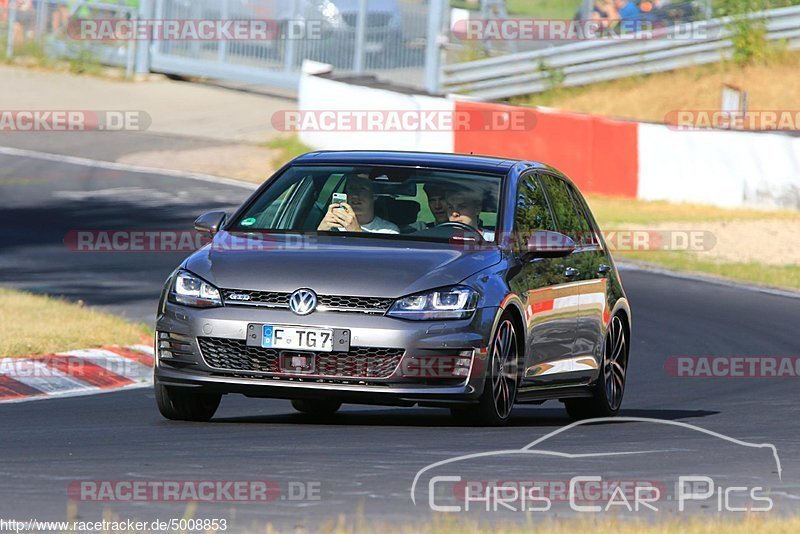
(210, 222)
(547, 244)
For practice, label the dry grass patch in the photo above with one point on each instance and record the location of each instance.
(36, 324)
(749, 245)
(759, 523)
(650, 98)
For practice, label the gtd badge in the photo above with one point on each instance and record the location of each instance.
(239, 296)
(303, 301)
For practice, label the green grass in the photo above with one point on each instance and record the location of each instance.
(3, 41)
(544, 9)
(286, 147)
(777, 276)
(615, 213)
(612, 212)
(760, 523)
(31, 53)
(723, 7)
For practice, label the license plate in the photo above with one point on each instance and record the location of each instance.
(287, 337)
(297, 363)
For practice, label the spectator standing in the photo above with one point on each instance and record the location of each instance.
(628, 10)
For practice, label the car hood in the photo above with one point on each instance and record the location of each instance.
(340, 265)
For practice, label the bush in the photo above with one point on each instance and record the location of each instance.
(749, 34)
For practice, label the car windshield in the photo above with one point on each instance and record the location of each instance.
(410, 203)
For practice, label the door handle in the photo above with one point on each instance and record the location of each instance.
(571, 272)
(603, 269)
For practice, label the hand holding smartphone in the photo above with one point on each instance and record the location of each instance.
(339, 198)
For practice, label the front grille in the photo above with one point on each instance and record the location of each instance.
(355, 303)
(360, 362)
(277, 299)
(374, 20)
(267, 298)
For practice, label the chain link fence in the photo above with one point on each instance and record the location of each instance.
(46, 29)
(388, 38)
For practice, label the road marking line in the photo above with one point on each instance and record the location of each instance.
(113, 166)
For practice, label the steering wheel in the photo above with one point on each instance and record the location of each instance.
(461, 226)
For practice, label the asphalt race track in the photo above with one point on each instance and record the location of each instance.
(364, 459)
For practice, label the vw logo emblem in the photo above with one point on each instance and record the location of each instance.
(303, 301)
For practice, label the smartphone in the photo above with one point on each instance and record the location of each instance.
(339, 198)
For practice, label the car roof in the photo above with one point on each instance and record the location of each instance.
(463, 162)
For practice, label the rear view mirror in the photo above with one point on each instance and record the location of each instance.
(547, 244)
(210, 223)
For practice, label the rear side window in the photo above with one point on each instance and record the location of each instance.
(532, 211)
(569, 214)
(589, 237)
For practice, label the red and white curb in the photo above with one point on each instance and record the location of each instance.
(77, 372)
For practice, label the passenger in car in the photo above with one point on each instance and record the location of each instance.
(358, 213)
(436, 193)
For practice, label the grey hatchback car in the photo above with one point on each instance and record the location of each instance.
(397, 278)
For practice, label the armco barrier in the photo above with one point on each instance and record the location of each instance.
(597, 60)
(603, 156)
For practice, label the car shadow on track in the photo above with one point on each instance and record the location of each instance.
(412, 417)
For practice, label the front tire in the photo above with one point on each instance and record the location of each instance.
(179, 404)
(610, 386)
(316, 407)
(501, 382)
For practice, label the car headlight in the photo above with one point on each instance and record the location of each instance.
(450, 303)
(191, 290)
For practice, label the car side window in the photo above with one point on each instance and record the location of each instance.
(532, 211)
(589, 236)
(571, 221)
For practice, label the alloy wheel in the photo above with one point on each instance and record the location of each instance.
(615, 362)
(504, 369)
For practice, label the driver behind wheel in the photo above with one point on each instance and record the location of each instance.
(464, 206)
(436, 193)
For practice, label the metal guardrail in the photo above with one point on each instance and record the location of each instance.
(595, 61)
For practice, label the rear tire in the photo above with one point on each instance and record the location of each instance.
(607, 395)
(501, 382)
(316, 407)
(179, 404)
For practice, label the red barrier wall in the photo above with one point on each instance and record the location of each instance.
(600, 155)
